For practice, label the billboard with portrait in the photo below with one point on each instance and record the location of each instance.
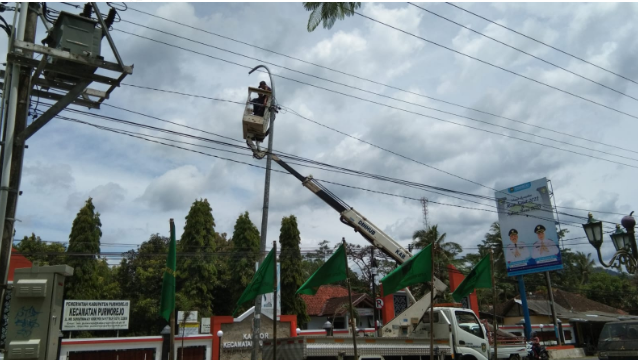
(528, 229)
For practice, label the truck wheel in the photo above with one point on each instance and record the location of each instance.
(515, 357)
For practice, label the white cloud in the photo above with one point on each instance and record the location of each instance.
(138, 185)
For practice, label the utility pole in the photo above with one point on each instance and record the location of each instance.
(373, 267)
(264, 214)
(13, 152)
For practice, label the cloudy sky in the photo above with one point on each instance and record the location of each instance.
(137, 186)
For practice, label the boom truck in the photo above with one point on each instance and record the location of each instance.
(458, 334)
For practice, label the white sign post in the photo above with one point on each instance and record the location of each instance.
(95, 315)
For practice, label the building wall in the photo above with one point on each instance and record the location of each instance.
(535, 319)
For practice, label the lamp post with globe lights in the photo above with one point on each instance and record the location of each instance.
(220, 334)
(624, 242)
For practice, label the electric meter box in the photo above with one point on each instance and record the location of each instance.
(76, 34)
(35, 313)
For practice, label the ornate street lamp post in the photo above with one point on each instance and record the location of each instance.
(624, 242)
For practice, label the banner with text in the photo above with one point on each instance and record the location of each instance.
(528, 229)
(95, 315)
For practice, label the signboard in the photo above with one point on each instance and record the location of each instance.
(188, 329)
(192, 317)
(528, 229)
(205, 329)
(267, 304)
(379, 303)
(95, 315)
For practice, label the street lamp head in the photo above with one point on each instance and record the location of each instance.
(220, 333)
(298, 331)
(594, 231)
(628, 222)
(541, 326)
(620, 239)
(327, 325)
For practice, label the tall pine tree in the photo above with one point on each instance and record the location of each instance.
(82, 254)
(196, 272)
(291, 270)
(244, 255)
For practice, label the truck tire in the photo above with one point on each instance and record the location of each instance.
(515, 357)
(467, 357)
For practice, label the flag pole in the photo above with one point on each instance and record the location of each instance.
(495, 322)
(274, 316)
(432, 305)
(171, 350)
(352, 319)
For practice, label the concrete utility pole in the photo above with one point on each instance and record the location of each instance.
(264, 214)
(13, 152)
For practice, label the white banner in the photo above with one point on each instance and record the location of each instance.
(95, 315)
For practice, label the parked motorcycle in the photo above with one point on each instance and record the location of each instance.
(541, 355)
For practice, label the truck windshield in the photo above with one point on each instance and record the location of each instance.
(468, 322)
(619, 332)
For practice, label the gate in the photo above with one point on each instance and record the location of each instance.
(191, 353)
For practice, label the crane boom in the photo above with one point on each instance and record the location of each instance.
(356, 220)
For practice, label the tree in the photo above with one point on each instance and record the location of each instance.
(196, 272)
(82, 254)
(244, 255)
(584, 266)
(36, 250)
(140, 277)
(291, 276)
(328, 13)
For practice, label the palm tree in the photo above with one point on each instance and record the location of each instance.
(584, 266)
(328, 13)
(448, 250)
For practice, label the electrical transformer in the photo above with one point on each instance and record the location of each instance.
(78, 35)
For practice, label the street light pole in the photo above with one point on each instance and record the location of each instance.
(264, 214)
(624, 242)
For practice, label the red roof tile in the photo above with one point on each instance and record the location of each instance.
(17, 261)
(315, 303)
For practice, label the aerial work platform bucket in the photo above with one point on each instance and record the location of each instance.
(256, 118)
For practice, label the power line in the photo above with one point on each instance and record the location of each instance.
(374, 93)
(401, 109)
(327, 127)
(329, 167)
(543, 43)
(524, 52)
(498, 67)
(379, 83)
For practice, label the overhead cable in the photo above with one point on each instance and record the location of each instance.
(497, 66)
(382, 84)
(543, 43)
(374, 93)
(524, 52)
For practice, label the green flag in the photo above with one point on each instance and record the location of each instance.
(167, 303)
(332, 271)
(263, 281)
(479, 277)
(418, 269)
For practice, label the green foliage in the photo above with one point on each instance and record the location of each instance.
(616, 291)
(140, 277)
(241, 265)
(328, 13)
(38, 251)
(88, 280)
(291, 276)
(196, 272)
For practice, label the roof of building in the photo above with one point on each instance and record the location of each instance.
(339, 305)
(568, 305)
(17, 262)
(315, 303)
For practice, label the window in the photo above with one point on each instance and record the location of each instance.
(619, 331)
(469, 323)
(568, 334)
(426, 317)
